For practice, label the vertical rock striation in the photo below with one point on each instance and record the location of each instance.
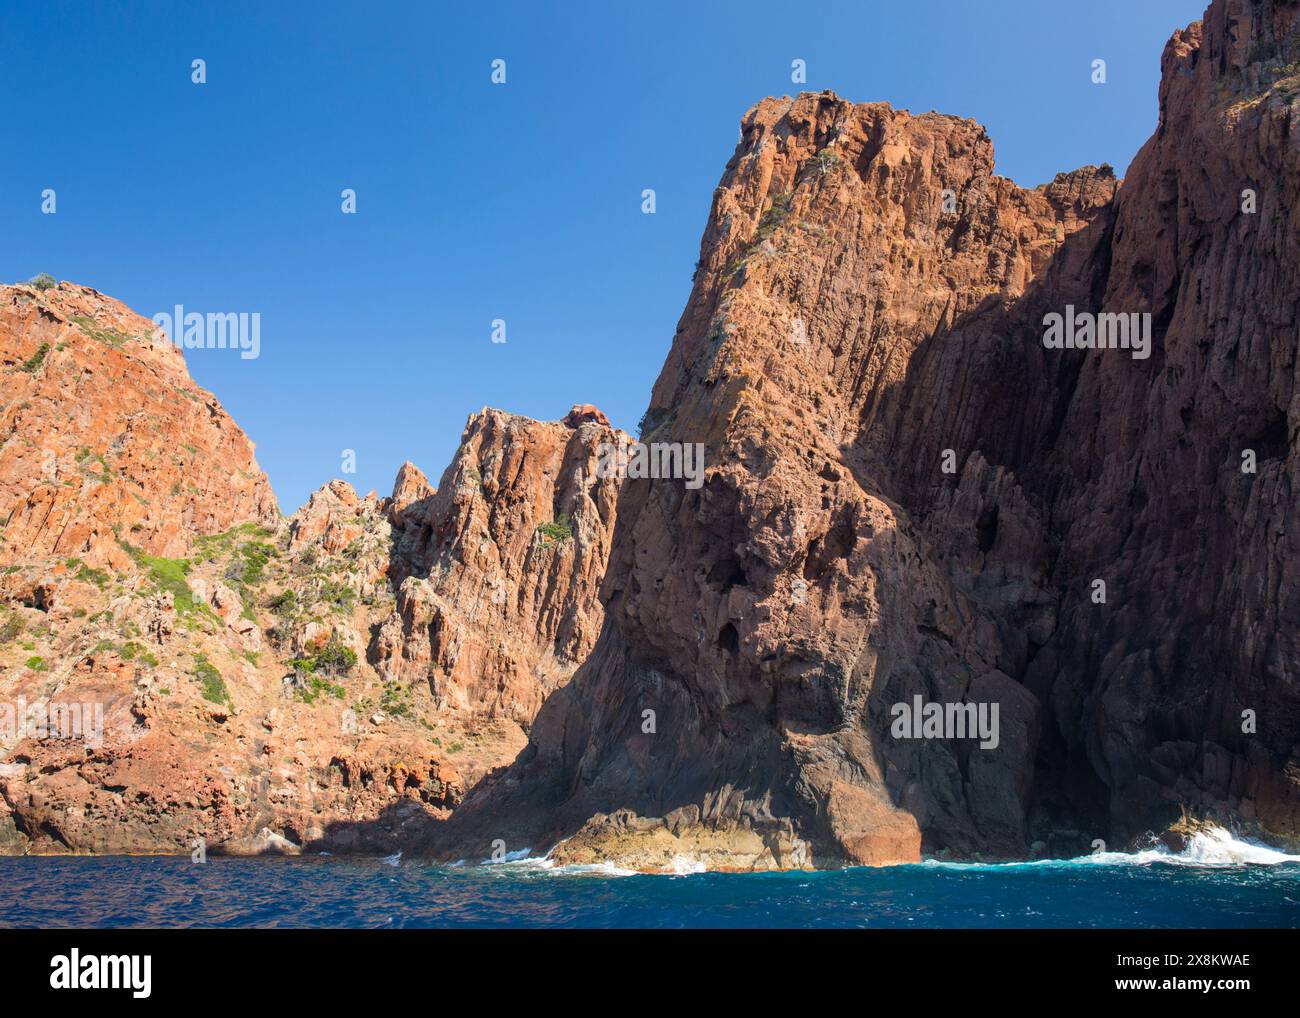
(909, 496)
(497, 572)
(334, 680)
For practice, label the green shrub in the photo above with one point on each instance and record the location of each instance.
(211, 547)
(35, 360)
(338, 596)
(44, 281)
(92, 329)
(256, 555)
(774, 216)
(396, 700)
(559, 529)
(315, 686)
(168, 574)
(827, 160)
(284, 603)
(37, 664)
(96, 576)
(214, 686)
(335, 658)
(12, 626)
(130, 650)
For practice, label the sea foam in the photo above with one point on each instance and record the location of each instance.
(1212, 847)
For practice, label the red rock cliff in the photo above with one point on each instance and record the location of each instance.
(334, 680)
(909, 495)
(497, 573)
(105, 431)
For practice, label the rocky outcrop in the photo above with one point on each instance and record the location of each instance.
(107, 438)
(182, 668)
(221, 699)
(911, 500)
(940, 587)
(1178, 474)
(332, 518)
(497, 573)
(410, 489)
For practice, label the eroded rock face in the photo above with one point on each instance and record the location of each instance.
(908, 500)
(497, 573)
(1148, 694)
(909, 496)
(222, 699)
(184, 668)
(107, 436)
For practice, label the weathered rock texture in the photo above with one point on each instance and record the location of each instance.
(497, 573)
(907, 496)
(104, 431)
(844, 333)
(214, 655)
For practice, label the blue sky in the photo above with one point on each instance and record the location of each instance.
(476, 201)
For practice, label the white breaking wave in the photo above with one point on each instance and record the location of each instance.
(1212, 847)
(684, 865)
(597, 869)
(523, 862)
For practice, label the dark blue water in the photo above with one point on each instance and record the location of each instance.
(121, 892)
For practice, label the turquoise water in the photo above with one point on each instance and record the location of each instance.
(1116, 892)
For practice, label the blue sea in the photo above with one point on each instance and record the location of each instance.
(1244, 888)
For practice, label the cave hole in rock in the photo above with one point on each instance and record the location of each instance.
(1273, 440)
(728, 573)
(986, 528)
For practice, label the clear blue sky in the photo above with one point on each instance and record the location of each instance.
(476, 201)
